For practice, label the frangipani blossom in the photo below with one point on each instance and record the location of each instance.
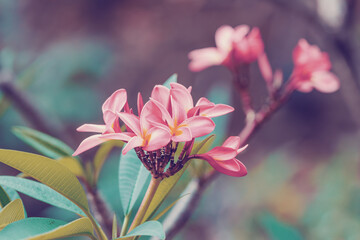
(312, 69)
(179, 114)
(144, 135)
(111, 107)
(223, 158)
(234, 46)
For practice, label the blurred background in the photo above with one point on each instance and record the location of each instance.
(62, 59)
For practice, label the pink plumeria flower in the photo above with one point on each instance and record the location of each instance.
(234, 46)
(223, 158)
(144, 134)
(111, 107)
(312, 69)
(174, 105)
(206, 108)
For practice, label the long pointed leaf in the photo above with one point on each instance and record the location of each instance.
(45, 144)
(13, 212)
(79, 227)
(163, 190)
(102, 154)
(29, 227)
(4, 198)
(171, 79)
(40, 192)
(49, 172)
(150, 228)
(132, 179)
(163, 212)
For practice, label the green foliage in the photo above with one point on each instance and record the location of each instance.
(40, 192)
(163, 212)
(278, 230)
(108, 184)
(162, 192)
(45, 144)
(171, 79)
(150, 228)
(29, 227)
(12, 212)
(102, 154)
(133, 177)
(4, 197)
(48, 172)
(79, 227)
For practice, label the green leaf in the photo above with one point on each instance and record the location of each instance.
(132, 179)
(150, 228)
(73, 165)
(79, 227)
(40, 192)
(102, 154)
(163, 190)
(49, 172)
(29, 227)
(220, 94)
(171, 79)
(12, 212)
(204, 145)
(4, 198)
(163, 212)
(45, 144)
(277, 230)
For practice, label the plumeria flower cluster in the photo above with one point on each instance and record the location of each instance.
(167, 119)
(238, 47)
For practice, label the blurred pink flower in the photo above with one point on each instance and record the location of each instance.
(223, 158)
(235, 46)
(111, 107)
(312, 69)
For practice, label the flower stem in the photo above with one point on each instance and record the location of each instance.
(154, 184)
(124, 226)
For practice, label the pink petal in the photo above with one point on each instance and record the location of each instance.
(222, 153)
(150, 114)
(91, 128)
(232, 142)
(304, 86)
(325, 82)
(131, 121)
(232, 167)
(140, 103)
(183, 134)
(204, 58)
(216, 111)
(116, 101)
(224, 37)
(178, 111)
(242, 149)
(159, 137)
(165, 113)
(204, 101)
(240, 32)
(161, 94)
(88, 143)
(124, 136)
(183, 97)
(199, 126)
(265, 68)
(109, 117)
(133, 143)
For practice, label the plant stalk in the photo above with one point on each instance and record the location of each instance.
(150, 193)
